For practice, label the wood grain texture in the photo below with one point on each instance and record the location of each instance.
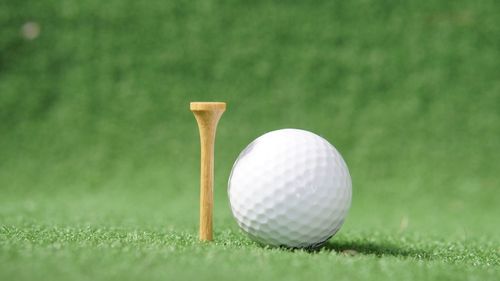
(207, 115)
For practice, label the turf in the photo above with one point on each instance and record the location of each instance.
(99, 152)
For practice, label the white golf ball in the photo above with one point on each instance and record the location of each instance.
(290, 188)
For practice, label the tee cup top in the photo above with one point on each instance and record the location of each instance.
(207, 106)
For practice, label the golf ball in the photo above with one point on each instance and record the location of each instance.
(290, 188)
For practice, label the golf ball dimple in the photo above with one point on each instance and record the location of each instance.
(290, 188)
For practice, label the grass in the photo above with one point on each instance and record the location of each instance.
(125, 235)
(99, 152)
(110, 252)
(127, 253)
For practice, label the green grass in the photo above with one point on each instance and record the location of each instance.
(99, 152)
(134, 253)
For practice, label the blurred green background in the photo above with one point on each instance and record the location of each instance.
(97, 142)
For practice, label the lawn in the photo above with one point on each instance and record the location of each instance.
(99, 152)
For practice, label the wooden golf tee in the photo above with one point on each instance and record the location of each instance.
(207, 116)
